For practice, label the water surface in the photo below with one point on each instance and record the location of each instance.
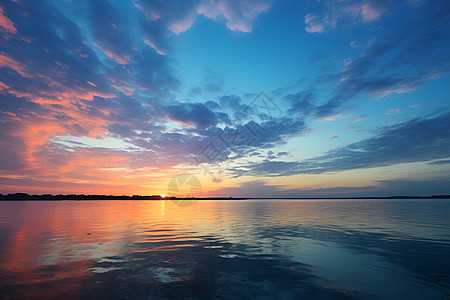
(252, 249)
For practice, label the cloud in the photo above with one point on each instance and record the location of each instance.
(373, 9)
(8, 62)
(380, 188)
(165, 18)
(211, 84)
(262, 189)
(150, 73)
(162, 18)
(440, 162)
(301, 103)
(53, 74)
(179, 16)
(313, 24)
(278, 131)
(360, 118)
(417, 140)
(194, 114)
(110, 31)
(336, 11)
(335, 117)
(240, 15)
(393, 111)
(58, 83)
(245, 140)
(436, 186)
(256, 189)
(5, 23)
(402, 62)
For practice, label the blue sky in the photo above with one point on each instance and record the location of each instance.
(290, 98)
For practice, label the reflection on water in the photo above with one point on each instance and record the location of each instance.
(324, 249)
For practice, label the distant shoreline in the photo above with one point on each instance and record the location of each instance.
(82, 197)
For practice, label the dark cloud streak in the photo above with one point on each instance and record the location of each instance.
(418, 140)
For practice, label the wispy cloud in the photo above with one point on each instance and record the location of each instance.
(360, 118)
(336, 11)
(399, 64)
(393, 111)
(5, 23)
(417, 140)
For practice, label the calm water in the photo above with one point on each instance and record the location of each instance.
(258, 249)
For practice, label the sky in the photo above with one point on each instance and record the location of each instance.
(252, 98)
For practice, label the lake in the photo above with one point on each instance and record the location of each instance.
(225, 249)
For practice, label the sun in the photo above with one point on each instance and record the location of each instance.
(163, 195)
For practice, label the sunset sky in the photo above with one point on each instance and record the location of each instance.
(256, 98)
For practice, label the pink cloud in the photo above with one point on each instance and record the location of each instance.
(8, 62)
(416, 105)
(153, 45)
(180, 26)
(393, 111)
(372, 10)
(240, 15)
(6, 23)
(337, 10)
(3, 86)
(359, 119)
(123, 88)
(401, 89)
(123, 60)
(313, 25)
(334, 117)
